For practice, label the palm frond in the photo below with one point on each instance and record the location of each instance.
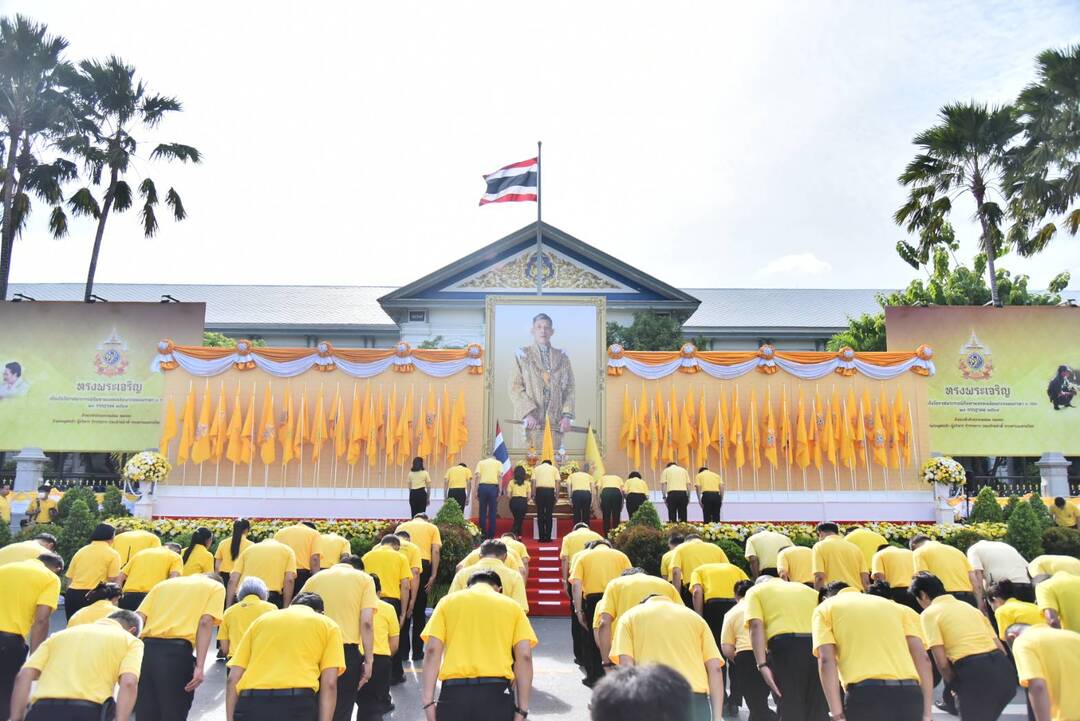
(58, 225)
(148, 191)
(149, 220)
(176, 151)
(172, 199)
(83, 203)
(155, 106)
(121, 196)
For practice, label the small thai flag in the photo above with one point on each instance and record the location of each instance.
(513, 183)
(500, 453)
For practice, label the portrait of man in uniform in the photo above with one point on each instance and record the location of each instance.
(542, 386)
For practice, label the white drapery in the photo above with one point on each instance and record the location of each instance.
(292, 368)
(804, 371)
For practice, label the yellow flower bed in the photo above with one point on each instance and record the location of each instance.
(169, 528)
(893, 532)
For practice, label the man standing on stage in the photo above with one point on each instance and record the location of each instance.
(542, 386)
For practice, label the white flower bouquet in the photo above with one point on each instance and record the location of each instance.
(147, 467)
(944, 470)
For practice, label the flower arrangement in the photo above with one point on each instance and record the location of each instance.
(147, 467)
(262, 528)
(567, 468)
(944, 470)
(523, 463)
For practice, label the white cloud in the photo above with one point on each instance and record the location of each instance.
(797, 263)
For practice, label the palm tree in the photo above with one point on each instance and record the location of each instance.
(110, 105)
(1045, 179)
(32, 104)
(967, 152)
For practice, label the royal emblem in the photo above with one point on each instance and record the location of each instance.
(111, 357)
(975, 362)
(770, 439)
(879, 439)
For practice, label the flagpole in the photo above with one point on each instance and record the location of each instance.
(539, 240)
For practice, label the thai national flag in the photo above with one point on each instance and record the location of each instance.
(500, 453)
(513, 183)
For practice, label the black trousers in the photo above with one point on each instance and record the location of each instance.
(594, 665)
(582, 503)
(901, 596)
(633, 502)
(711, 501)
(747, 683)
(348, 682)
(458, 494)
(61, 712)
(677, 502)
(167, 667)
(302, 576)
(12, 654)
(577, 633)
(966, 596)
(795, 668)
(483, 702)
(884, 703)
(410, 641)
(130, 601)
(545, 507)
(74, 600)
(275, 598)
(373, 698)
(714, 611)
(519, 506)
(984, 685)
(1025, 592)
(610, 507)
(487, 496)
(397, 668)
(418, 501)
(277, 708)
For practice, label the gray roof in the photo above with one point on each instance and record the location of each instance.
(780, 307)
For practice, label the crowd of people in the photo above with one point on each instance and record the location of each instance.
(852, 628)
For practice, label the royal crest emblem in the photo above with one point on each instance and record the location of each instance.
(975, 362)
(111, 357)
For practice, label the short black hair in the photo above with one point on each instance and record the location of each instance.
(309, 524)
(883, 546)
(1003, 590)
(103, 532)
(741, 587)
(693, 536)
(634, 474)
(880, 588)
(421, 515)
(52, 561)
(104, 591)
(831, 589)
(675, 539)
(703, 468)
(485, 576)
(653, 691)
(632, 571)
(509, 534)
(492, 548)
(580, 525)
(598, 542)
(543, 316)
(47, 537)
(378, 583)
(403, 534)
(547, 461)
(1059, 502)
(353, 560)
(14, 367)
(918, 540)
(927, 583)
(390, 540)
(311, 600)
(828, 527)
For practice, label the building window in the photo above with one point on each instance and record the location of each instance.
(418, 316)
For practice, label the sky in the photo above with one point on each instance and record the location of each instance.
(709, 144)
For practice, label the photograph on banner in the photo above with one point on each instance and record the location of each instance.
(545, 359)
(1006, 378)
(76, 376)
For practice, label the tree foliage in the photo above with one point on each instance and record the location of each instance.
(986, 508)
(1025, 531)
(77, 530)
(646, 515)
(112, 505)
(213, 339)
(649, 331)
(72, 496)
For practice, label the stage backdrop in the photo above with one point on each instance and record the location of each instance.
(545, 360)
(994, 367)
(76, 376)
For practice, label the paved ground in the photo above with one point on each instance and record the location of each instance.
(557, 693)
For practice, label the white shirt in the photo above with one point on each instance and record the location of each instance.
(998, 561)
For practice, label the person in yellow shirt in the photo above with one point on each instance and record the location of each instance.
(663, 632)
(1059, 599)
(457, 484)
(674, 541)
(590, 573)
(43, 509)
(31, 593)
(229, 549)
(712, 586)
(762, 548)
(274, 563)
(412, 555)
(5, 503)
(580, 487)
(103, 601)
(428, 538)
(513, 560)
(637, 492)
(1064, 513)
(392, 567)
(514, 545)
(1045, 566)
(493, 555)
(197, 557)
(479, 644)
(746, 682)
(710, 493)
(690, 554)
(778, 616)
(1046, 662)
(91, 564)
(545, 480)
(69, 688)
(489, 475)
(331, 548)
(868, 541)
(572, 544)
(128, 542)
(836, 559)
(895, 566)
(179, 617)
(796, 564)
(373, 699)
(978, 675)
(1009, 609)
(25, 550)
(519, 491)
(238, 617)
(623, 593)
(949, 564)
(146, 569)
(675, 486)
(419, 487)
(350, 601)
(876, 651)
(611, 500)
(274, 678)
(303, 539)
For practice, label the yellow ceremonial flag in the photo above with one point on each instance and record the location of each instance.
(753, 433)
(592, 455)
(267, 429)
(655, 433)
(674, 419)
(829, 438)
(768, 439)
(219, 427)
(200, 449)
(878, 439)
(302, 431)
(247, 433)
(168, 427)
(634, 452)
(286, 428)
(853, 414)
(691, 415)
(818, 432)
(187, 428)
(427, 438)
(703, 435)
(667, 450)
(685, 440)
(642, 419)
(903, 423)
(341, 442)
(320, 431)
(389, 433)
(847, 443)
(358, 419)
(894, 438)
(722, 429)
(785, 429)
(661, 426)
(371, 429)
(459, 432)
(447, 417)
(735, 437)
(866, 407)
(233, 433)
(627, 420)
(547, 450)
(438, 440)
(405, 428)
(836, 412)
(802, 439)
